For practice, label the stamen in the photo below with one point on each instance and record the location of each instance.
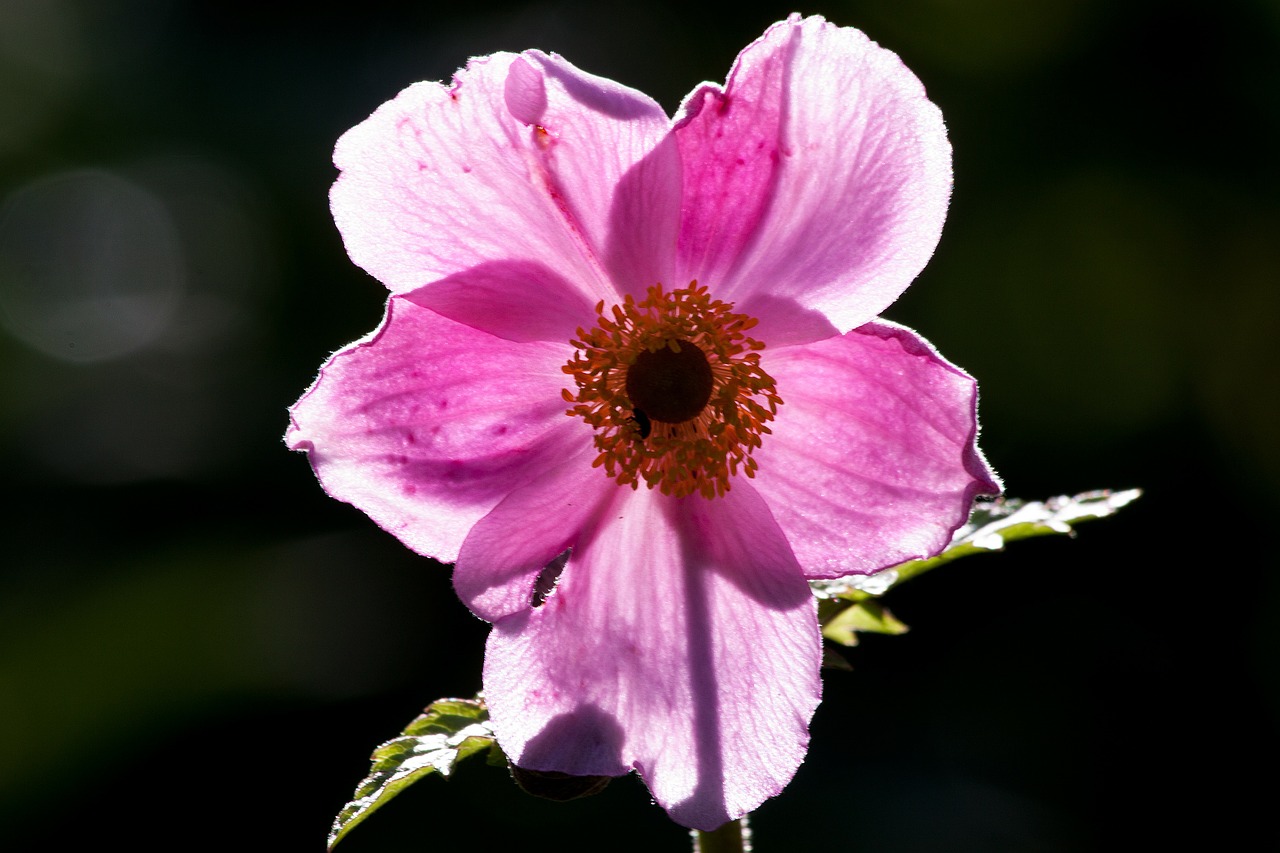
(675, 391)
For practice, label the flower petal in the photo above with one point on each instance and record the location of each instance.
(613, 169)
(517, 300)
(682, 642)
(427, 424)
(518, 160)
(873, 458)
(505, 552)
(820, 175)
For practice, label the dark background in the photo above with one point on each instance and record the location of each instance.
(199, 648)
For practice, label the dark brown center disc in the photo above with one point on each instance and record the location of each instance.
(671, 387)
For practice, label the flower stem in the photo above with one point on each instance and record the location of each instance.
(733, 837)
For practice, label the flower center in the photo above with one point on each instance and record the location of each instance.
(671, 385)
(675, 391)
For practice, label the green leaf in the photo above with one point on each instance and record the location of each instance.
(448, 731)
(869, 615)
(990, 526)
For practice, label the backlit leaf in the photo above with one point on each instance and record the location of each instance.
(842, 601)
(448, 731)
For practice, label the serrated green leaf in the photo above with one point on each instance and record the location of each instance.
(869, 616)
(990, 526)
(447, 732)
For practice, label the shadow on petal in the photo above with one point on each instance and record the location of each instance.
(583, 737)
(519, 301)
(785, 322)
(644, 217)
(705, 808)
(595, 93)
(737, 537)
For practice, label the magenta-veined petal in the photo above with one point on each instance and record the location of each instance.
(611, 167)
(505, 552)
(519, 159)
(517, 300)
(820, 175)
(873, 458)
(427, 424)
(680, 639)
(681, 642)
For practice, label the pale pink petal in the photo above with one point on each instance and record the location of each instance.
(873, 458)
(504, 553)
(517, 300)
(682, 642)
(819, 176)
(680, 639)
(612, 169)
(427, 424)
(519, 159)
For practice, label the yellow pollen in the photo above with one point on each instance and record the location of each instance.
(673, 387)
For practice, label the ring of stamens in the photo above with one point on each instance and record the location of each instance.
(673, 387)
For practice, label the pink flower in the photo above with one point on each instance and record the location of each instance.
(571, 359)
